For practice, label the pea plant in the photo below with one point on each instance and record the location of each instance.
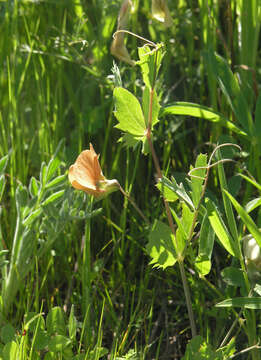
(195, 219)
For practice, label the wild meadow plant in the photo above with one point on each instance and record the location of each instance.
(197, 219)
(193, 222)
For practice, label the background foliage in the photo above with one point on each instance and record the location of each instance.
(56, 87)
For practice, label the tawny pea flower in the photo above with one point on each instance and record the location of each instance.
(86, 174)
(124, 13)
(118, 48)
(160, 12)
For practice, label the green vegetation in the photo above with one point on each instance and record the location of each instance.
(169, 266)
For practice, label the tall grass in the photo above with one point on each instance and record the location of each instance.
(54, 84)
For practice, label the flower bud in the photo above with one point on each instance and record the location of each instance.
(118, 48)
(123, 17)
(160, 12)
(252, 254)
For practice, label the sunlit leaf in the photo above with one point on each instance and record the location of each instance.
(202, 112)
(197, 178)
(34, 186)
(130, 117)
(168, 193)
(220, 228)
(179, 190)
(3, 163)
(253, 204)
(150, 62)
(231, 89)
(199, 349)
(206, 243)
(253, 229)
(161, 245)
(128, 112)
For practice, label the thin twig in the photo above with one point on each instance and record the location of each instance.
(148, 42)
(133, 204)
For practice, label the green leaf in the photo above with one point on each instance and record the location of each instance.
(206, 243)
(34, 187)
(197, 178)
(243, 302)
(203, 264)
(99, 352)
(129, 113)
(227, 204)
(198, 349)
(2, 185)
(220, 228)
(184, 227)
(202, 112)
(161, 245)
(53, 198)
(56, 181)
(146, 106)
(150, 62)
(34, 320)
(3, 254)
(21, 197)
(35, 324)
(257, 289)
(52, 167)
(233, 276)
(55, 322)
(179, 190)
(58, 343)
(251, 181)
(258, 122)
(167, 193)
(72, 324)
(231, 89)
(3, 163)
(251, 205)
(43, 173)
(55, 162)
(11, 350)
(32, 217)
(247, 220)
(7, 333)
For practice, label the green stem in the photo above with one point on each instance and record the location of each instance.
(11, 282)
(133, 204)
(188, 298)
(86, 279)
(171, 223)
(251, 333)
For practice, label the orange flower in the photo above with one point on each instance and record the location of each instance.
(86, 174)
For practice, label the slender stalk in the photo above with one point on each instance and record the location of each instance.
(171, 223)
(133, 204)
(86, 279)
(11, 282)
